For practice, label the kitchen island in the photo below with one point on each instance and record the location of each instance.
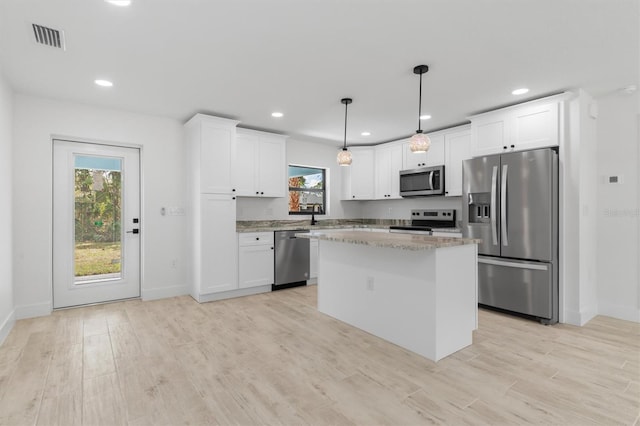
(419, 292)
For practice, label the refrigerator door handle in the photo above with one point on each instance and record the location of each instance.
(513, 264)
(494, 190)
(503, 205)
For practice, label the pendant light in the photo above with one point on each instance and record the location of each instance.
(420, 142)
(344, 156)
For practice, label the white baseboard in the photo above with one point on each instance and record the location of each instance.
(164, 292)
(7, 325)
(35, 310)
(210, 297)
(627, 313)
(579, 318)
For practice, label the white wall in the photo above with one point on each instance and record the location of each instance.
(303, 153)
(618, 207)
(36, 121)
(401, 209)
(7, 316)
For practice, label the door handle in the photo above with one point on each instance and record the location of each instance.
(494, 183)
(431, 180)
(133, 231)
(503, 206)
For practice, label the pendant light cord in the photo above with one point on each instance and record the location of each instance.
(420, 105)
(346, 105)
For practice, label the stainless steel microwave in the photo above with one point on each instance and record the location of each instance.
(422, 182)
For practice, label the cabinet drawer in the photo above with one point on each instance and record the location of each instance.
(255, 238)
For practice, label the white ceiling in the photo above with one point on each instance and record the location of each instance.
(244, 59)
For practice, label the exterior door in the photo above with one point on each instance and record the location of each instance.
(96, 223)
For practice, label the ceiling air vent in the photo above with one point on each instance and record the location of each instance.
(48, 36)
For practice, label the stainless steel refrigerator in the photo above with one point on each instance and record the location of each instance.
(510, 201)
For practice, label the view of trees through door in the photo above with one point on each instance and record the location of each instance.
(98, 212)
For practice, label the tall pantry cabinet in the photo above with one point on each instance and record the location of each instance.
(212, 250)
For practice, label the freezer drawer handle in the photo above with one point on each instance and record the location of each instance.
(514, 265)
(503, 206)
(494, 183)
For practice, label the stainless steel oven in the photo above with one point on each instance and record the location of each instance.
(422, 182)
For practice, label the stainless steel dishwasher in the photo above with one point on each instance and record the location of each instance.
(291, 259)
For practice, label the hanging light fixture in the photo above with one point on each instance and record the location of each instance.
(420, 142)
(344, 156)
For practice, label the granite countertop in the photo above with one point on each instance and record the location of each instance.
(390, 240)
(292, 225)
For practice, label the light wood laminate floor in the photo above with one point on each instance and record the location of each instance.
(273, 359)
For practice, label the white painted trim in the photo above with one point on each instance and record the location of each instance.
(164, 292)
(34, 310)
(627, 313)
(7, 325)
(579, 318)
(210, 297)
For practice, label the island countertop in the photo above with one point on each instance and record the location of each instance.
(390, 240)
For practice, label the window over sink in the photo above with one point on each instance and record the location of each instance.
(307, 190)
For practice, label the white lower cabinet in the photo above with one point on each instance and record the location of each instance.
(255, 259)
(217, 241)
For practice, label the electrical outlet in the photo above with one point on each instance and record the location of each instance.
(370, 286)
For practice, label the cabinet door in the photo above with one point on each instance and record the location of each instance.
(272, 167)
(217, 158)
(433, 157)
(488, 135)
(383, 173)
(535, 126)
(358, 178)
(218, 255)
(458, 149)
(246, 165)
(413, 160)
(395, 165)
(255, 266)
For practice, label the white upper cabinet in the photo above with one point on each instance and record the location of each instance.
(358, 179)
(530, 125)
(261, 164)
(211, 142)
(389, 162)
(433, 157)
(457, 146)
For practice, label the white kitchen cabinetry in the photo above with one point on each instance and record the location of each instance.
(389, 162)
(358, 179)
(255, 259)
(433, 157)
(217, 258)
(313, 259)
(211, 199)
(261, 164)
(457, 147)
(211, 154)
(530, 125)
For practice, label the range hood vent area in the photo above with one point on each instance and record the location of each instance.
(48, 36)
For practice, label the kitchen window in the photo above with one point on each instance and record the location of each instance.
(307, 190)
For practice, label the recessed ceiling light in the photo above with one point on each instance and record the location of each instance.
(277, 114)
(521, 91)
(425, 117)
(365, 134)
(119, 2)
(104, 83)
